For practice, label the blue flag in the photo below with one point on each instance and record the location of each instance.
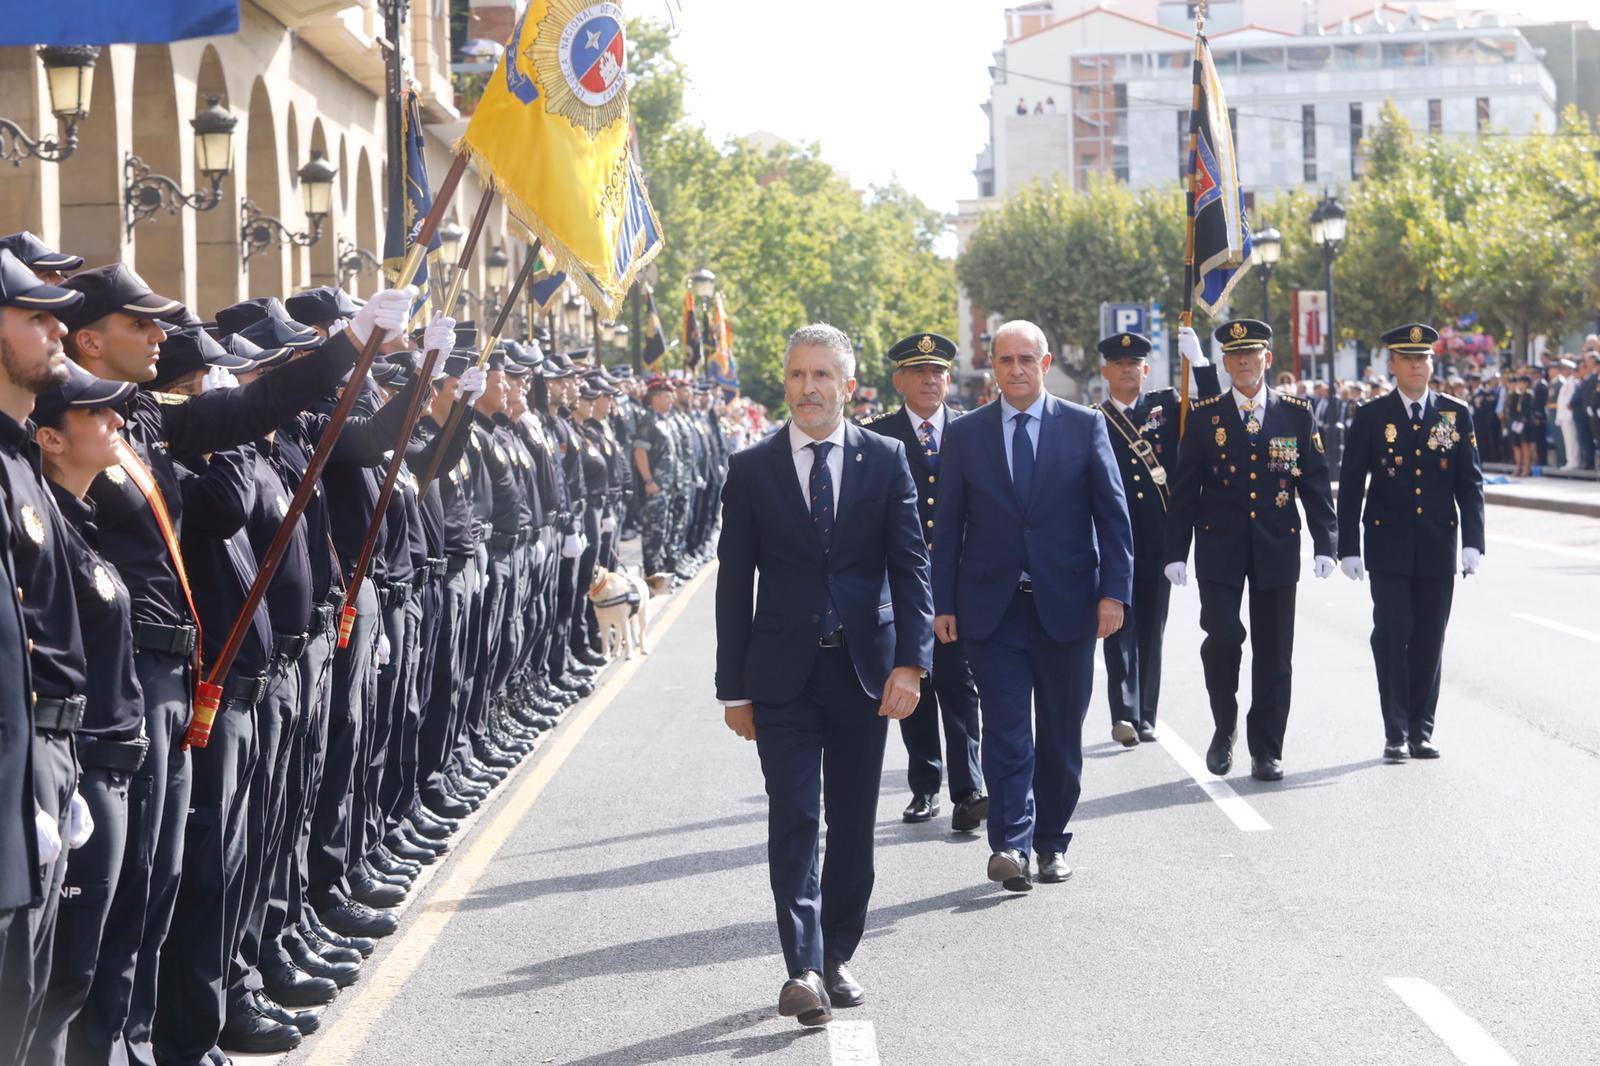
(117, 21)
(1221, 231)
(410, 200)
(545, 288)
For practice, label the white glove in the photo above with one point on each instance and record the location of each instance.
(337, 326)
(389, 311)
(1323, 565)
(1351, 565)
(383, 649)
(571, 546)
(473, 380)
(218, 378)
(583, 543)
(1177, 573)
(608, 524)
(49, 836)
(440, 336)
(1189, 347)
(483, 581)
(540, 553)
(1471, 559)
(80, 823)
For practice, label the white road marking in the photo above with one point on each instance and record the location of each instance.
(1559, 627)
(852, 1043)
(1233, 805)
(1541, 546)
(1465, 1038)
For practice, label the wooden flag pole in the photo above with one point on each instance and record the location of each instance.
(208, 694)
(1186, 318)
(458, 410)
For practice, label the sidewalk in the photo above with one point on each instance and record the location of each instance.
(1569, 495)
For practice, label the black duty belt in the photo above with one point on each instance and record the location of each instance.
(324, 616)
(832, 640)
(289, 646)
(503, 540)
(393, 593)
(172, 640)
(58, 715)
(113, 754)
(245, 690)
(457, 563)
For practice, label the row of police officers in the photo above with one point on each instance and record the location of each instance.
(171, 892)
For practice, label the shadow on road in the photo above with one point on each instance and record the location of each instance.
(650, 834)
(711, 1037)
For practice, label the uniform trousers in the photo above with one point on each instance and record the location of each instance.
(1271, 660)
(579, 628)
(1034, 692)
(386, 726)
(565, 593)
(831, 730)
(482, 597)
(116, 1022)
(287, 902)
(30, 945)
(190, 998)
(398, 782)
(86, 894)
(335, 823)
(1133, 653)
(949, 695)
(440, 720)
(1409, 615)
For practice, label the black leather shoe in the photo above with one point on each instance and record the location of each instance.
(921, 809)
(431, 827)
(374, 893)
(249, 1029)
(383, 877)
(306, 1021)
(1266, 769)
(291, 986)
(805, 999)
(1125, 733)
(843, 991)
(342, 971)
(316, 933)
(351, 918)
(381, 858)
(444, 805)
(402, 847)
(1053, 868)
(434, 848)
(1010, 869)
(1148, 734)
(969, 812)
(589, 658)
(1219, 756)
(1395, 752)
(1423, 749)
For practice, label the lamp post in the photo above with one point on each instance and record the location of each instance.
(353, 260)
(705, 283)
(1266, 246)
(69, 75)
(496, 265)
(258, 231)
(571, 320)
(1327, 232)
(450, 234)
(145, 194)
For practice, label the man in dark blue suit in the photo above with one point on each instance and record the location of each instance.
(1033, 554)
(813, 662)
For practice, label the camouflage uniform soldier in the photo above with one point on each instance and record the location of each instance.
(682, 490)
(655, 454)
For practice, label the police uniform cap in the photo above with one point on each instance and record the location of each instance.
(702, 386)
(82, 391)
(321, 305)
(111, 289)
(457, 362)
(514, 369)
(21, 287)
(467, 335)
(578, 355)
(235, 317)
(923, 349)
(1413, 338)
(1243, 333)
(393, 375)
(274, 333)
(36, 255)
(623, 372)
(557, 366)
(587, 391)
(1124, 346)
(189, 350)
(257, 357)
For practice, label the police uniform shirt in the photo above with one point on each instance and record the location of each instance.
(502, 515)
(506, 448)
(43, 568)
(114, 707)
(291, 457)
(289, 595)
(455, 499)
(219, 494)
(543, 471)
(479, 481)
(596, 469)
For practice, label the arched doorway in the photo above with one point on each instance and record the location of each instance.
(324, 255)
(263, 186)
(367, 237)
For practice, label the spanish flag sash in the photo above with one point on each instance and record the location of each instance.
(140, 475)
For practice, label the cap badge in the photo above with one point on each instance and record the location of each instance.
(1127, 341)
(1416, 334)
(925, 345)
(32, 524)
(1237, 330)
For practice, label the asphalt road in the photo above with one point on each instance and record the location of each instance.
(612, 907)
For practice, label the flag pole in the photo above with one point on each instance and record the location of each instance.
(208, 694)
(458, 409)
(1187, 316)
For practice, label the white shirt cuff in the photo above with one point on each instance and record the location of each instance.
(733, 703)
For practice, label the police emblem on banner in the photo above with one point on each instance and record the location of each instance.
(580, 56)
(32, 524)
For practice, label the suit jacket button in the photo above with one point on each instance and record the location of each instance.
(1419, 510)
(932, 479)
(1252, 514)
(1140, 495)
(930, 501)
(930, 523)
(930, 545)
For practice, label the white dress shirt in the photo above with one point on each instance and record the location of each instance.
(1245, 403)
(1426, 400)
(800, 446)
(1008, 425)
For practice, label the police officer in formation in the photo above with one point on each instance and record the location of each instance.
(922, 365)
(1410, 485)
(680, 457)
(172, 891)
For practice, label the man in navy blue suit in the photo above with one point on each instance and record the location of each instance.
(1033, 554)
(813, 662)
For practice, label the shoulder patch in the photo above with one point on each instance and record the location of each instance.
(171, 398)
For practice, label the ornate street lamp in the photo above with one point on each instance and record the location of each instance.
(145, 194)
(705, 283)
(258, 231)
(69, 76)
(1266, 247)
(353, 260)
(450, 235)
(1327, 232)
(496, 266)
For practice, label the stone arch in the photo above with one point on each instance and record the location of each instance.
(90, 180)
(217, 275)
(160, 242)
(263, 185)
(366, 214)
(299, 264)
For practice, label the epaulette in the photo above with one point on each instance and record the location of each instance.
(1207, 400)
(873, 420)
(170, 398)
(1298, 401)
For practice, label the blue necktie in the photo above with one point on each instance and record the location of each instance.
(1022, 458)
(930, 447)
(821, 492)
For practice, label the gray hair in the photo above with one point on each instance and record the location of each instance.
(1023, 328)
(822, 335)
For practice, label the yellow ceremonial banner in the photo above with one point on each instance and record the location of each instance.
(552, 134)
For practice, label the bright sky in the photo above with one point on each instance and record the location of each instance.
(890, 88)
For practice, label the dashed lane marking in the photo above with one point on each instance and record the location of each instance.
(340, 1043)
(852, 1044)
(1559, 627)
(1222, 794)
(1466, 1039)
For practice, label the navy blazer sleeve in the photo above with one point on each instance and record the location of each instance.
(736, 575)
(908, 569)
(1113, 530)
(949, 519)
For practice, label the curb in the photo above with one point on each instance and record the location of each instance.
(1538, 503)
